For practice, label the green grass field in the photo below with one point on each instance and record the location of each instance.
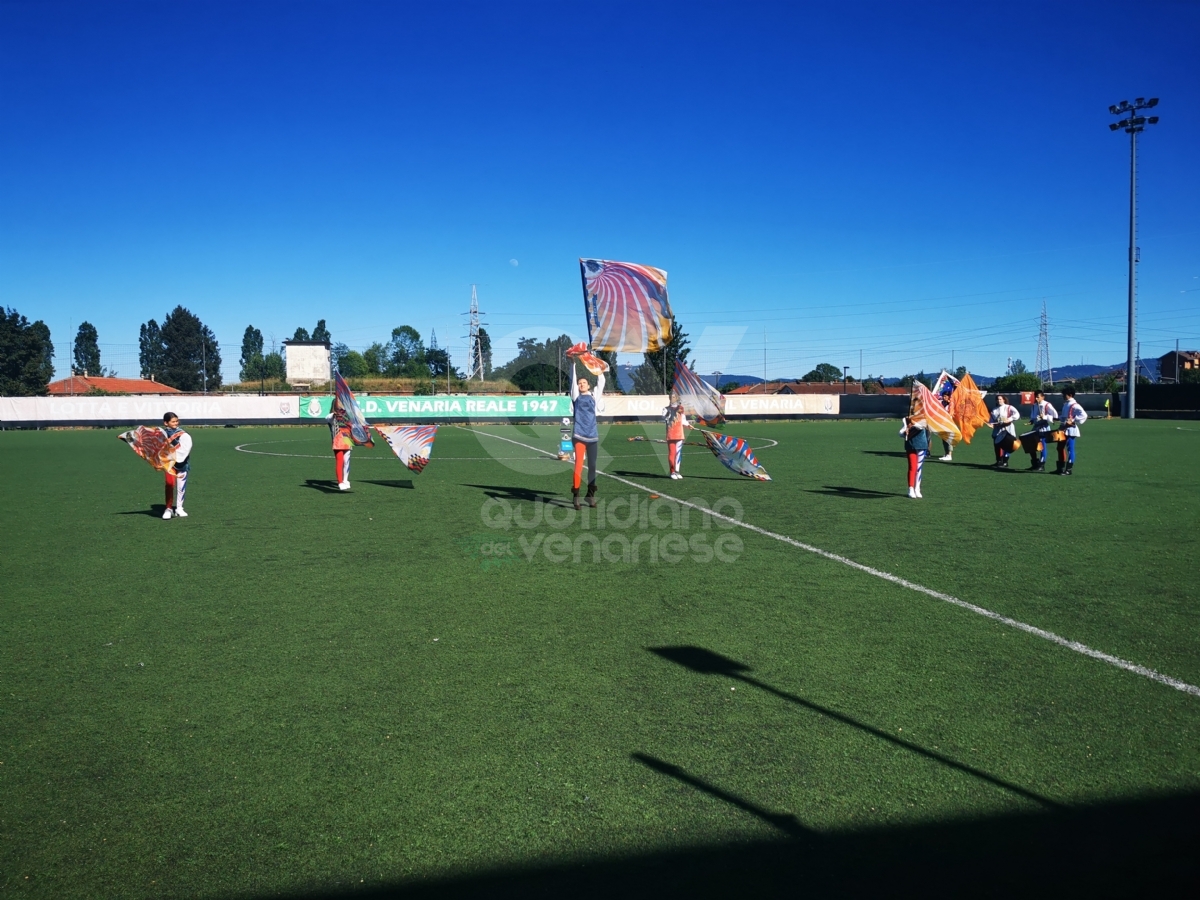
(298, 690)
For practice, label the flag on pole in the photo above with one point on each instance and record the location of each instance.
(704, 403)
(152, 445)
(926, 411)
(626, 306)
(412, 444)
(735, 454)
(360, 431)
(587, 358)
(967, 407)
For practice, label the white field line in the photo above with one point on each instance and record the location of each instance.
(242, 449)
(912, 586)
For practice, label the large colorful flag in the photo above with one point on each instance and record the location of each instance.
(626, 305)
(967, 407)
(587, 358)
(360, 431)
(926, 411)
(412, 444)
(735, 454)
(700, 400)
(152, 445)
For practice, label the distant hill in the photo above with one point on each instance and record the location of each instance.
(625, 378)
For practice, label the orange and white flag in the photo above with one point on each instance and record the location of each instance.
(925, 411)
(967, 407)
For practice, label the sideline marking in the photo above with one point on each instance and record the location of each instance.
(911, 585)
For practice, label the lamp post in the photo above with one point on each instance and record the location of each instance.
(1132, 123)
(845, 377)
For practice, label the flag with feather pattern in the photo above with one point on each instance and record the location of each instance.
(626, 306)
(412, 444)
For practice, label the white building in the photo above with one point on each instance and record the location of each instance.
(308, 362)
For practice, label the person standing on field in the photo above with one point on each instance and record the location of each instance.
(1041, 416)
(339, 431)
(1004, 429)
(176, 486)
(916, 448)
(1073, 415)
(585, 432)
(676, 420)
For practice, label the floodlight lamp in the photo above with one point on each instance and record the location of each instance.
(1153, 101)
(1114, 126)
(1138, 120)
(1153, 120)
(1140, 100)
(1113, 110)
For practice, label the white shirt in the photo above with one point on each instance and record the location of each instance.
(1003, 417)
(1045, 411)
(1072, 410)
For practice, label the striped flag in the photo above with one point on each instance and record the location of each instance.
(626, 306)
(926, 411)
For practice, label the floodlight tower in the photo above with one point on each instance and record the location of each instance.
(1132, 123)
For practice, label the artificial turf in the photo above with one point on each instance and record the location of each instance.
(298, 688)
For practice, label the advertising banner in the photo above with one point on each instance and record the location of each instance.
(447, 406)
(146, 408)
(782, 404)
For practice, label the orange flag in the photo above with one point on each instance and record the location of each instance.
(967, 407)
(926, 412)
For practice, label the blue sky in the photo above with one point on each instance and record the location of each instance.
(908, 180)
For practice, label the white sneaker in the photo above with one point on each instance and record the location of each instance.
(343, 485)
(919, 494)
(180, 513)
(947, 458)
(675, 476)
(912, 493)
(167, 513)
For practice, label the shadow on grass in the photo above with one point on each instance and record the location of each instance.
(625, 474)
(325, 487)
(854, 493)
(520, 494)
(401, 483)
(155, 511)
(706, 662)
(785, 822)
(1140, 847)
(899, 453)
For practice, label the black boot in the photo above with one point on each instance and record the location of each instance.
(1067, 470)
(1058, 469)
(591, 494)
(575, 498)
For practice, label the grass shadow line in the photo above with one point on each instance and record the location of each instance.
(853, 493)
(325, 487)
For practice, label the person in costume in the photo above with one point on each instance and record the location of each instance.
(943, 395)
(1073, 415)
(339, 431)
(177, 476)
(1041, 417)
(1004, 429)
(916, 447)
(676, 420)
(585, 432)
